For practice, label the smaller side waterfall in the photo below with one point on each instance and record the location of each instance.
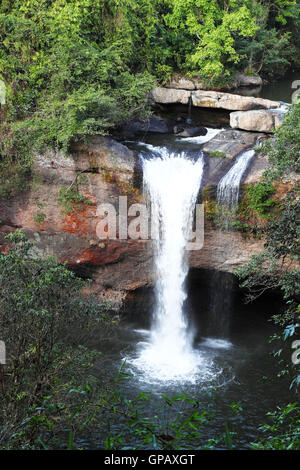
(189, 118)
(229, 185)
(227, 200)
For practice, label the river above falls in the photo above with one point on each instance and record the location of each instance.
(278, 90)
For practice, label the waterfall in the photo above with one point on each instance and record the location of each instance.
(229, 185)
(227, 199)
(189, 118)
(172, 182)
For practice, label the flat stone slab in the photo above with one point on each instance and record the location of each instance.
(231, 102)
(211, 99)
(170, 96)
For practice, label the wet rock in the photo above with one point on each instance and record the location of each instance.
(191, 131)
(178, 129)
(248, 80)
(231, 142)
(152, 124)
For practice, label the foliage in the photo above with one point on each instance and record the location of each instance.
(283, 232)
(259, 197)
(70, 197)
(39, 217)
(49, 396)
(74, 68)
(284, 151)
(277, 267)
(43, 321)
(213, 29)
(272, 49)
(139, 430)
(217, 153)
(283, 433)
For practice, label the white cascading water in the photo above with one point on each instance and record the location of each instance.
(202, 139)
(229, 185)
(172, 181)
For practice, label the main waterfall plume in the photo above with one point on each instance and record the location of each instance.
(172, 182)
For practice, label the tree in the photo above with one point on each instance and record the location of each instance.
(271, 50)
(213, 27)
(43, 322)
(277, 267)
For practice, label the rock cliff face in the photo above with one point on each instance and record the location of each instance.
(100, 172)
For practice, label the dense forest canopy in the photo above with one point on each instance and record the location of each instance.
(75, 67)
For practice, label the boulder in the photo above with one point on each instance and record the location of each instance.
(103, 154)
(248, 80)
(211, 99)
(231, 143)
(182, 83)
(152, 124)
(256, 120)
(191, 131)
(170, 96)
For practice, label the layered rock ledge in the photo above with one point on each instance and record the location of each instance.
(211, 99)
(193, 83)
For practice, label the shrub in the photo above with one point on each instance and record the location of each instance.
(259, 197)
(43, 321)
